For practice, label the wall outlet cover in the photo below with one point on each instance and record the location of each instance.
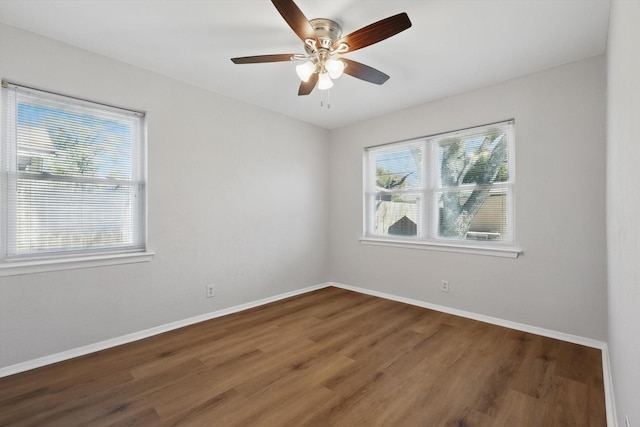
(211, 291)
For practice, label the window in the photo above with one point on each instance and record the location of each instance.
(73, 178)
(451, 189)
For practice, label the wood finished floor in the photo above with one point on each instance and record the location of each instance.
(326, 358)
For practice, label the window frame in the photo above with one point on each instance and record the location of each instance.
(63, 259)
(427, 223)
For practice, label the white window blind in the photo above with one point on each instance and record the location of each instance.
(73, 176)
(451, 187)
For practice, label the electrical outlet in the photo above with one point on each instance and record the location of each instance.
(211, 291)
(444, 286)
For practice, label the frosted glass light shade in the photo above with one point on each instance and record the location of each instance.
(324, 82)
(305, 70)
(334, 67)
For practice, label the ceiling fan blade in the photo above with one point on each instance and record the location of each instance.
(296, 19)
(364, 72)
(307, 87)
(263, 58)
(375, 32)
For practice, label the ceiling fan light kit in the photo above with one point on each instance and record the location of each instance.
(335, 67)
(321, 59)
(305, 70)
(324, 81)
(324, 47)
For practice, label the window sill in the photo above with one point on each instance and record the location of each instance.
(19, 267)
(498, 250)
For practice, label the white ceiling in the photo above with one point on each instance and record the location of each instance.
(452, 47)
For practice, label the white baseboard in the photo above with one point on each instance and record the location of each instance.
(103, 345)
(588, 342)
(125, 339)
(481, 317)
(607, 376)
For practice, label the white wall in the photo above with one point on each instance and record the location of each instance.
(559, 281)
(237, 197)
(623, 206)
(267, 217)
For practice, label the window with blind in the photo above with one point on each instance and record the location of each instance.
(73, 177)
(455, 187)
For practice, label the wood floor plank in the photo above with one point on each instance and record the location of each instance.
(519, 409)
(204, 413)
(147, 417)
(330, 357)
(509, 357)
(538, 367)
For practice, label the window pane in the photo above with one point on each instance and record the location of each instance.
(67, 140)
(75, 176)
(474, 158)
(397, 215)
(479, 214)
(456, 186)
(71, 216)
(399, 170)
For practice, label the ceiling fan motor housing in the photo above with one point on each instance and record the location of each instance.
(327, 31)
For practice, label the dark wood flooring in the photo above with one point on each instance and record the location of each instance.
(325, 358)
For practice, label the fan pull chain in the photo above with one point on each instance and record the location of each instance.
(322, 99)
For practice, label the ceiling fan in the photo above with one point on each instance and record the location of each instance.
(324, 47)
